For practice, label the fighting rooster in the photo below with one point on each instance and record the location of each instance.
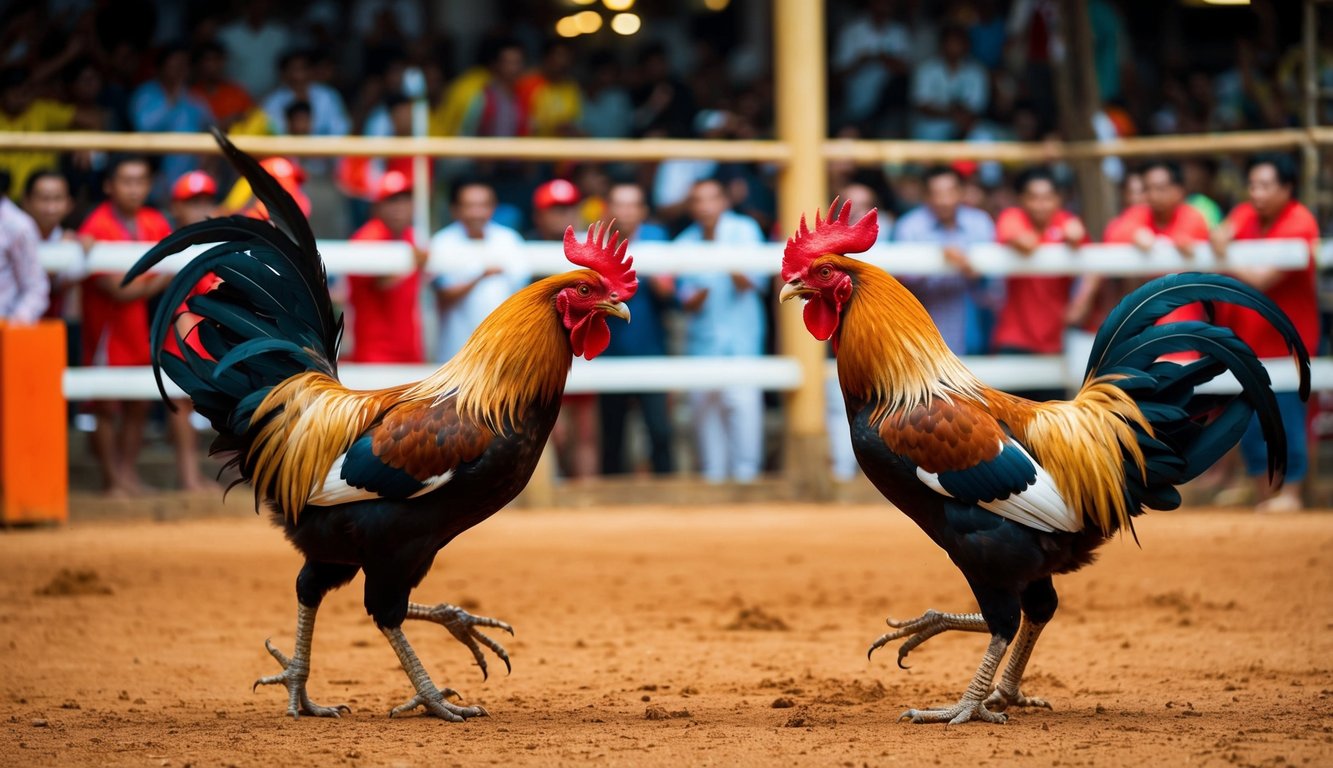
(1013, 490)
(372, 481)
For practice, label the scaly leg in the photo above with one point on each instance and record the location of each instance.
(972, 705)
(1007, 694)
(296, 670)
(428, 696)
(463, 626)
(924, 627)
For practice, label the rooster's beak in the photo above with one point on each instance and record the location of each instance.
(794, 290)
(616, 308)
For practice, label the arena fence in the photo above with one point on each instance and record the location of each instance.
(776, 373)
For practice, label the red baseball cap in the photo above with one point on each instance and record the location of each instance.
(193, 184)
(284, 170)
(555, 193)
(392, 183)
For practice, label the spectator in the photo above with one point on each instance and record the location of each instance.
(386, 309)
(226, 99)
(871, 63)
(165, 105)
(328, 117)
(555, 208)
(607, 111)
(951, 299)
(193, 199)
(47, 200)
(1038, 308)
(469, 292)
(254, 43)
(724, 318)
(496, 109)
(627, 204)
(1273, 213)
(290, 176)
(949, 91)
(115, 317)
(1199, 174)
(550, 95)
(21, 111)
(1164, 215)
(24, 289)
(299, 119)
(661, 101)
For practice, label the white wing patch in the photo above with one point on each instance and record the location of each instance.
(1038, 506)
(335, 489)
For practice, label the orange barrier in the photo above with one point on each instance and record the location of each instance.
(34, 455)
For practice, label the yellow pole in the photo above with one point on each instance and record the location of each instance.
(798, 50)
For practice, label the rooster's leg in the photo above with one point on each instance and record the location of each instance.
(1007, 694)
(972, 706)
(924, 627)
(428, 696)
(296, 670)
(463, 626)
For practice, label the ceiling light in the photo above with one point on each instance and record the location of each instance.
(625, 23)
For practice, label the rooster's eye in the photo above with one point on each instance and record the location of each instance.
(825, 272)
(584, 290)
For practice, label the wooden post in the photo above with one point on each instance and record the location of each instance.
(1310, 107)
(1079, 98)
(34, 455)
(798, 50)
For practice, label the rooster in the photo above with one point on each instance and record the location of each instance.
(1017, 491)
(373, 481)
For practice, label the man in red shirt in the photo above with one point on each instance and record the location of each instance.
(1273, 214)
(193, 199)
(1164, 215)
(1037, 308)
(386, 309)
(115, 318)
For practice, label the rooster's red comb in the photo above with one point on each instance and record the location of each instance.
(606, 256)
(832, 235)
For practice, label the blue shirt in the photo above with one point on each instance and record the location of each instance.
(946, 297)
(645, 335)
(731, 322)
(152, 111)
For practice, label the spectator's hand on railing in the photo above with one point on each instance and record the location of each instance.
(1186, 246)
(1144, 239)
(1220, 239)
(1075, 233)
(956, 258)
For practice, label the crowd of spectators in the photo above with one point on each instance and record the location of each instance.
(975, 71)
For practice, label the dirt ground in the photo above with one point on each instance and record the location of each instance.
(1211, 645)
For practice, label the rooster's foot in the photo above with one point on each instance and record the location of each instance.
(463, 626)
(436, 703)
(924, 627)
(962, 712)
(295, 672)
(1000, 700)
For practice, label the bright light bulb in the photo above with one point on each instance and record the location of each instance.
(567, 27)
(716, 5)
(588, 21)
(582, 2)
(625, 23)
(618, 5)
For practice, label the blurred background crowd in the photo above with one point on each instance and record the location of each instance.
(966, 70)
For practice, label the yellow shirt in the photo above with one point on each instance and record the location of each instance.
(41, 115)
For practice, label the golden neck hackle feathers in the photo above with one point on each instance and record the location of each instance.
(518, 356)
(889, 351)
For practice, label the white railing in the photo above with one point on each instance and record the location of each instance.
(776, 373)
(651, 258)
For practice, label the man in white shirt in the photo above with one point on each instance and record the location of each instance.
(949, 91)
(253, 44)
(328, 116)
(871, 51)
(466, 295)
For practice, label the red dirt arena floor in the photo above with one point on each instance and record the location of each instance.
(731, 635)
